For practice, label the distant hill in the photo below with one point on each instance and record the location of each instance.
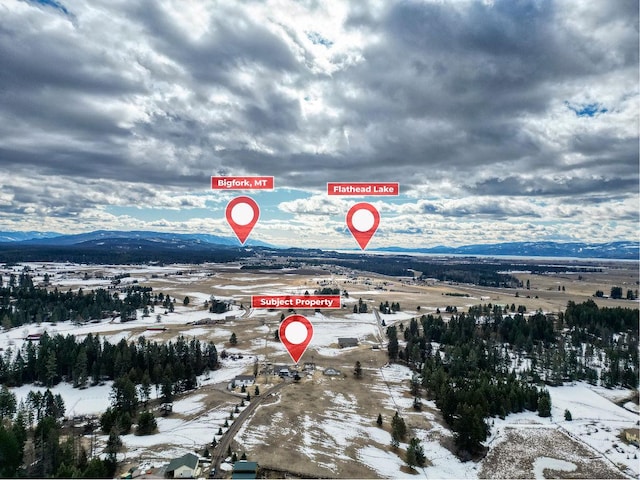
(20, 236)
(614, 250)
(114, 236)
(145, 240)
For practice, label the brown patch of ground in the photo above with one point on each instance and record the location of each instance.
(298, 419)
(409, 470)
(515, 455)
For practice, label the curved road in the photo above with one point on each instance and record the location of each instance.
(221, 449)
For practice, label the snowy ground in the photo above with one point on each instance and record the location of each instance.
(597, 421)
(88, 401)
(596, 424)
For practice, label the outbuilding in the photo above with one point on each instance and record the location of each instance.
(183, 467)
(244, 380)
(347, 342)
(245, 470)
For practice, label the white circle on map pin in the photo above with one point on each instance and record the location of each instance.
(363, 220)
(296, 333)
(242, 214)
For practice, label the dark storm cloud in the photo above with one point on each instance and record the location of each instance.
(497, 208)
(233, 41)
(468, 93)
(450, 86)
(56, 61)
(517, 186)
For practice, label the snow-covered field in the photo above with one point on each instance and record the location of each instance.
(88, 401)
(340, 432)
(596, 425)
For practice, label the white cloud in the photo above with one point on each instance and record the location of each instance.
(473, 107)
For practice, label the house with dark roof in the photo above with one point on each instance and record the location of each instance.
(345, 342)
(245, 470)
(183, 467)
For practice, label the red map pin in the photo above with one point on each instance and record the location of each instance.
(363, 220)
(295, 334)
(242, 215)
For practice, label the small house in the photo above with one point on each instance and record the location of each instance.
(244, 380)
(245, 470)
(347, 342)
(183, 467)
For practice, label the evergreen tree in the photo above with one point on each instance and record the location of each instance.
(7, 403)
(146, 423)
(470, 428)
(145, 389)
(398, 427)
(357, 372)
(124, 396)
(9, 453)
(167, 391)
(544, 404)
(393, 347)
(415, 454)
(379, 420)
(114, 444)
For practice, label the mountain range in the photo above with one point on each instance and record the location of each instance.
(624, 250)
(111, 237)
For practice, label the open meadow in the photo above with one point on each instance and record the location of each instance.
(325, 425)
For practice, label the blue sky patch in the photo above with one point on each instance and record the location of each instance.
(52, 3)
(586, 110)
(318, 39)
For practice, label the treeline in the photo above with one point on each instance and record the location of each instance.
(92, 360)
(22, 303)
(600, 322)
(33, 444)
(121, 253)
(468, 381)
(485, 274)
(489, 363)
(328, 291)
(268, 266)
(611, 333)
(43, 451)
(385, 307)
(616, 294)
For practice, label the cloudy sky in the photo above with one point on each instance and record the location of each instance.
(501, 120)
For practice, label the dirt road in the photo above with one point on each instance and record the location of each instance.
(220, 451)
